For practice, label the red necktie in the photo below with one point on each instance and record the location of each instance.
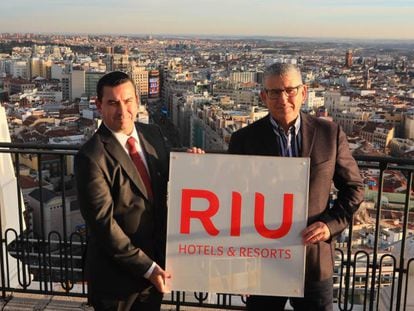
(142, 170)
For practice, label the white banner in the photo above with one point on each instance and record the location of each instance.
(235, 222)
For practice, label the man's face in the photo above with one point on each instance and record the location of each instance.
(284, 106)
(119, 107)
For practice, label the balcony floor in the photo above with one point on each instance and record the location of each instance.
(22, 302)
(37, 302)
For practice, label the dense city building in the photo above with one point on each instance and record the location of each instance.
(200, 92)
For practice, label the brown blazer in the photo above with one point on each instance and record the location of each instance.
(126, 232)
(331, 160)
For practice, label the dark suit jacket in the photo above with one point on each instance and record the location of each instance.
(126, 232)
(330, 160)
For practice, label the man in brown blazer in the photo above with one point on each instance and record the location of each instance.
(287, 132)
(125, 217)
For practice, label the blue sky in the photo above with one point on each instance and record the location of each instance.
(391, 19)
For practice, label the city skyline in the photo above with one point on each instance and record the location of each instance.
(365, 19)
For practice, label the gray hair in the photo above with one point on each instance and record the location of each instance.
(280, 69)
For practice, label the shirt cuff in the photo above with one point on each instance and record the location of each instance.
(149, 271)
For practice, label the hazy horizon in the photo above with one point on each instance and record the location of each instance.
(321, 19)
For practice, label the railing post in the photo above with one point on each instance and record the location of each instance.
(3, 275)
(178, 304)
(404, 237)
(348, 266)
(66, 285)
(409, 262)
(383, 167)
(42, 263)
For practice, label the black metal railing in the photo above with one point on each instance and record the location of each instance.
(50, 256)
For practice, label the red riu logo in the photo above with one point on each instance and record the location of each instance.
(236, 207)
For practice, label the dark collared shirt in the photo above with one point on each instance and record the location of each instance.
(289, 143)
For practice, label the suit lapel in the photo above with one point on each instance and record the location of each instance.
(308, 135)
(267, 138)
(113, 147)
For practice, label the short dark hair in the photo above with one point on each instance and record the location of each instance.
(112, 79)
(280, 69)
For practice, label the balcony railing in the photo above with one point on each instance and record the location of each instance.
(43, 230)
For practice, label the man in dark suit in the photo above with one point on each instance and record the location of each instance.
(287, 132)
(124, 208)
